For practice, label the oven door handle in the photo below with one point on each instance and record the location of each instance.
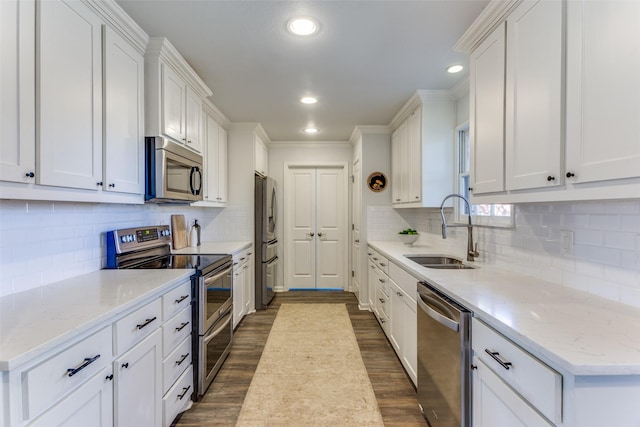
(212, 279)
(443, 320)
(217, 331)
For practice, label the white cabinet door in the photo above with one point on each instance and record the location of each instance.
(89, 405)
(69, 49)
(403, 329)
(495, 404)
(487, 64)
(138, 384)
(239, 278)
(603, 90)
(400, 167)
(533, 124)
(212, 136)
(173, 102)
(261, 158)
(248, 290)
(223, 166)
(17, 91)
(124, 139)
(216, 161)
(193, 117)
(413, 157)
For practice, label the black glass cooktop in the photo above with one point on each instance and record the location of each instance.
(198, 262)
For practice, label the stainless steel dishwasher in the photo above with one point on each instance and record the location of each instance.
(444, 353)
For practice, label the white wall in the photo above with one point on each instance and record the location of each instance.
(301, 152)
(606, 254)
(44, 242)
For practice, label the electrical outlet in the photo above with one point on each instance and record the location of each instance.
(566, 242)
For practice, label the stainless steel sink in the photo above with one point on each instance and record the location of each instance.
(439, 261)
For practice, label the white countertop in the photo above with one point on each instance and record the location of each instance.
(40, 319)
(210, 248)
(572, 330)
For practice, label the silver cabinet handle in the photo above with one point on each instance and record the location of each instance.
(399, 294)
(383, 264)
(311, 234)
(319, 234)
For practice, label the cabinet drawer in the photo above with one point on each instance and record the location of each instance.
(381, 262)
(51, 380)
(175, 364)
(383, 281)
(404, 280)
(532, 379)
(137, 325)
(176, 300)
(382, 301)
(178, 397)
(175, 331)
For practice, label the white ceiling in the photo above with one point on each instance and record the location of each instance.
(366, 62)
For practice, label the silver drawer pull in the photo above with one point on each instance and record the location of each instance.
(87, 361)
(146, 322)
(496, 356)
(381, 281)
(381, 300)
(182, 298)
(383, 264)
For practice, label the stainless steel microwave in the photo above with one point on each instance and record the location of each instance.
(173, 173)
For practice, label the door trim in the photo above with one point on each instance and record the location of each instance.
(289, 166)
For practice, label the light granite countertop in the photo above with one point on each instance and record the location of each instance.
(40, 319)
(577, 332)
(230, 248)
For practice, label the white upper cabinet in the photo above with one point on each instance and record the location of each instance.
(124, 118)
(261, 156)
(422, 150)
(215, 157)
(69, 98)
(487, 64)
(174, 94)
(76, 67)
(603, 90)
(569, 129)
(533, 125)
(174, 98)
(17, 91)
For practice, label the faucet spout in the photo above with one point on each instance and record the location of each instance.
(472, 251)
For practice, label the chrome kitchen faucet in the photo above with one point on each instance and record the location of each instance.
(472, 251)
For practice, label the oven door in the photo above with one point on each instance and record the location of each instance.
(214, 291)
(214, 348)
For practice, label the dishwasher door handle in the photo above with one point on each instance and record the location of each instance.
(443, 320)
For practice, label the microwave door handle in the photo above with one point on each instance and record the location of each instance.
(192, 182)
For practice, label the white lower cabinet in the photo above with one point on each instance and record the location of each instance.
(496, 404)
(89, 405)
(243, 301)
(122, 373)
(138, 384)
(394, 306)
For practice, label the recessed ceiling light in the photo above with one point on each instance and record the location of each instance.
(454, 69)
(302, 26)
(311, 130)
(308, 100)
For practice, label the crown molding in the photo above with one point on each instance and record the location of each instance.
(490, 17)
(360, 130)
(118, 19)
(418, 99)
(310, 144)
(211, 109)
(461, 89)
(161, 47)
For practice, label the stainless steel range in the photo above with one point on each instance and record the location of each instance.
(211, 292)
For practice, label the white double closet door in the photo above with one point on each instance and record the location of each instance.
(316, 214)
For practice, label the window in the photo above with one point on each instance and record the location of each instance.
(484, 214)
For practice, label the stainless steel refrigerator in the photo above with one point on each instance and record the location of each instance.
(266, 241)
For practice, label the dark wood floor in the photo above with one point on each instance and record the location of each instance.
(393, 388)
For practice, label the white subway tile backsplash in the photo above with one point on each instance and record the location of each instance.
(606, 252)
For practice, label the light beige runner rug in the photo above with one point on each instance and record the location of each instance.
(311, 373)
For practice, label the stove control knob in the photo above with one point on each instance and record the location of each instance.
(123, 239)
(132, 238)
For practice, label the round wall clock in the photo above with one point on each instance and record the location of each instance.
(377, 182)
